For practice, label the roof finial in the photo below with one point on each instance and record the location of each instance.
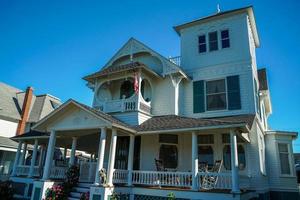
(218, 8)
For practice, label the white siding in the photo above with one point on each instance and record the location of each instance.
(276, 181)
(239, 43)
(8, 128)
(216, 72)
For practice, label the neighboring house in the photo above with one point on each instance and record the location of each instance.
(195, 125)
(19, 110)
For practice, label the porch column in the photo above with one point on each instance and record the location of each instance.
(112, 155)
(23, 155)
(101, 153)
(234, 162)
(49, 156)
(17, 159)
(33, 158)
(194, 160)
(65, 153)
(73, 151)
(130, 160)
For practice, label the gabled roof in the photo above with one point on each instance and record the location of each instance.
(119, 68)
(103, 116)
(11, 102)
(133, 46)
(8, 143)
(248, 10)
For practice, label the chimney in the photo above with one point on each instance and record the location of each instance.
(25, 111)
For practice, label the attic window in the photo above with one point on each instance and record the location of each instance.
(54, 104)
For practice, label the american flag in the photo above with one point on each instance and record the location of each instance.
(136, 83)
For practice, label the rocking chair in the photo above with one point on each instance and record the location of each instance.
(209, 181)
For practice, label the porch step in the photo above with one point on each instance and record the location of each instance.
(81, 189)
(75, 194)
(71, 198)
(85, 185)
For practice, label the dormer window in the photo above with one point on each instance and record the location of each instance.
(213, 41)
(225, 39)
(202, 43)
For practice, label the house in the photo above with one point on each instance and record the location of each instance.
(194, 126)
(19, 110)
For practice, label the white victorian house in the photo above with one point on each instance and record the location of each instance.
(194, 125)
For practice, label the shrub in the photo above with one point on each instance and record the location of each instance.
(85, 196)
(6, 190)
(171, 196)
(56, 192)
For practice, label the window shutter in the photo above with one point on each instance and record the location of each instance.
(233, 89)
(198, 91)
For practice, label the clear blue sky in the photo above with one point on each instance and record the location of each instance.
(51, 46)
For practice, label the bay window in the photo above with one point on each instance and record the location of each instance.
(285, 163)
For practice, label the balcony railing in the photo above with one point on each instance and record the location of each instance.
(58, 172)
(176, 60)
(23, 170)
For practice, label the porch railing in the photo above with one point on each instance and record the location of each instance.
(120, 176)
(22, 170)
(119, 105)
(179, 179)
(58, 172)
(155, 178)
(176, 60)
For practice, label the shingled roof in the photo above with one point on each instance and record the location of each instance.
(119, 68)
(172, 122)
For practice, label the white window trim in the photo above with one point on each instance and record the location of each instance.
(218, 40)
(226, 94)
(246, 154)
(292, 171)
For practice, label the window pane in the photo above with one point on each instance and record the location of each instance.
(225, 43)
(166, 138)
(216, 102)
(205, 139)
(213, 41)
(206, 154)
(201, 39)
(227, 157)
(225, 34)
(215, 86)
(169, 155)
(284, 162)
(202, 48)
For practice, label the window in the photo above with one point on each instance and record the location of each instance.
(213, 41)
(126, 89)
(169, 155)
(227, 157)
(284, 158)
(216, 95)
(257, 97)
(225, 39)
(205, 139)
(206, 155)
(202, 43)
(168, 152)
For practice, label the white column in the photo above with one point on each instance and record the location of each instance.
(234, 163)
(17, 159)
(130, 160)
(112, 155)
(194, 160)
(73, 151)
(22, 160)
(49, 156)
(33, 158)
(101, 152)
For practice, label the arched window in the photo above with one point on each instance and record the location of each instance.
(126, 89)
(227, 157)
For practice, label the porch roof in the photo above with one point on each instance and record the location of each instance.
(120, 68)
(173, 122)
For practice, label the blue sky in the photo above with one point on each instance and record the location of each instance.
(51, 45)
